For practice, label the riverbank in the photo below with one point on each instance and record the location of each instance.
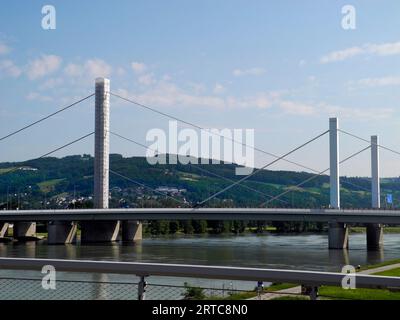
(388, 268)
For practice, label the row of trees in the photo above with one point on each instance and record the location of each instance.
(163, 227)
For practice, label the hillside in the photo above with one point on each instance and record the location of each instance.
(68, 182)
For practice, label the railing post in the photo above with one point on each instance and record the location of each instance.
(311, 291)
(142, 286)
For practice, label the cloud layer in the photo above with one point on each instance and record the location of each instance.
(384, 49)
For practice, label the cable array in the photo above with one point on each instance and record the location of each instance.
(45, 118)
(197, 167)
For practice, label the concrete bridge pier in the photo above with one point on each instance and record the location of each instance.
(99, 231)
(374, 236)
(338, 236)
(375, 231)
(24, 230)
(61, 232)
(132, 231)
(3, 230)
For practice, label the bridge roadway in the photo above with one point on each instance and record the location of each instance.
(348, 216)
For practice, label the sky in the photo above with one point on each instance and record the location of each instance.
(281, 68)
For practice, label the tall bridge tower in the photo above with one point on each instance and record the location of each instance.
(101, 231)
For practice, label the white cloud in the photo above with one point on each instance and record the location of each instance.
(92, 68)
(34, 96)
(357, 113)
(297, 108)
(248, 72)
(219, 88)
(167, 94)
(327, 110)
(341, 55)
(383, 49)
(97, 68)
(380, 82)
(51, 83)
(4, 49)
(73, 70)
(138, 67)
(8, 68)
(146, 79)
(43, 66)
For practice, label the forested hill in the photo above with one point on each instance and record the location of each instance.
(55, 182)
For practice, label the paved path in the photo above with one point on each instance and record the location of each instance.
(297, 289)
(381, 269)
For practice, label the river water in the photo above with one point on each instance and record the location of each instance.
(304, 251)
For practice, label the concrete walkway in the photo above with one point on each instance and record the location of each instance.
(381, 269)
(297, 290)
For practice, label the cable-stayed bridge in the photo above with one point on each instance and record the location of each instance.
(104, 224)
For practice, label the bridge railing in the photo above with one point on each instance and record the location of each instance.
(23, 279)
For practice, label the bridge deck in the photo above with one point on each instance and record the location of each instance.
(247, 214)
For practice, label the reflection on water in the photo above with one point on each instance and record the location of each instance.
(267, 251)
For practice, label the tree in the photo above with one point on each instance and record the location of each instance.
(188, 227)
(199, 226)
(173, 227)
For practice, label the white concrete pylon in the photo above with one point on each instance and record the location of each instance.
(102, 143)
(375, 176)
(334, 163)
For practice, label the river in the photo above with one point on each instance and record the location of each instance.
(303, 251)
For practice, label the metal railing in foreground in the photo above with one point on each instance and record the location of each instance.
(14, 287)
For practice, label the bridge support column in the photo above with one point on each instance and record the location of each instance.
(3, 230)
(24, 230)
(61, 232)
(101, 231)
(374, 236)
(132, 231)
(338, 236)
(375, 231)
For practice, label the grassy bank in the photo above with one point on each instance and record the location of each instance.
(337, 293)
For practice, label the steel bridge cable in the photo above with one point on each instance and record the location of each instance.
(45, 118)
(57, 149)
(362, 139)
(369, 142)
(214, 133)
(262, 168)
(313, 177)
(197, 167)
(145, 186)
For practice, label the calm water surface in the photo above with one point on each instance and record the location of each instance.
(305, 251)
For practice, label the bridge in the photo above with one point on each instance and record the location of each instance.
(103, 224)
(244, 214)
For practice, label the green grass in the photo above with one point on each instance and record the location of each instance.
(49, 185)
(365, 294)
(382, 264)
(358, 294)
(5, 170)
(390, 273)
(251, 294)
(292, 298)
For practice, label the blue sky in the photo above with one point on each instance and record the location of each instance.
(279, 67)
